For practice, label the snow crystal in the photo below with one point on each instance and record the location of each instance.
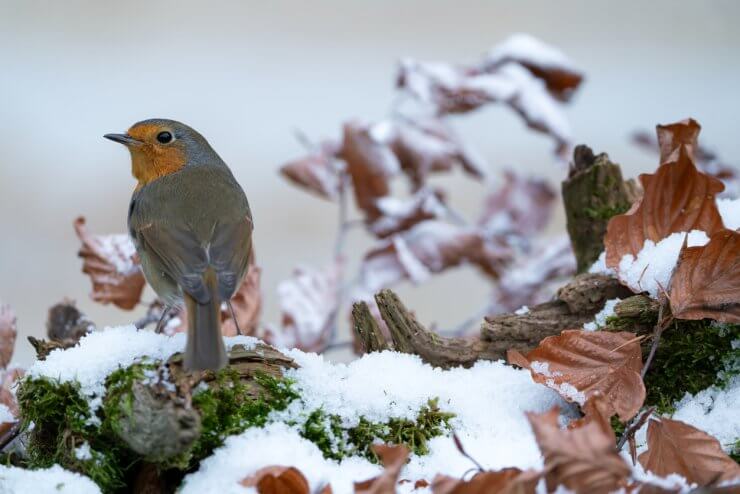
(522, 310)
(601, 316)
(5, 414)
(715, 411)
(54, 480)
(651, 271)
(100, 353)
(83, 452)
(729, 209)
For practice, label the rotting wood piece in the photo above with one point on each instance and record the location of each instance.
(367, 329)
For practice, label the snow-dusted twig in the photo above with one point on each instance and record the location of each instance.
(637, 422)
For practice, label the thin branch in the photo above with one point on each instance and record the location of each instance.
(659, 327)
(634, 426)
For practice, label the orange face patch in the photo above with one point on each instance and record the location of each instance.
(152, 160)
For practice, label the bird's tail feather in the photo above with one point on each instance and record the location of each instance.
(205, 347)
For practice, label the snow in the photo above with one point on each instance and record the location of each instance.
(100, 353)
(5, 414)
(715, 411)
(729, 209)
(530, 50)
(522, 310)
(83, 452)
(54, 480)
(601, 316)
(564, 388)
(378, 386)
(652, 269)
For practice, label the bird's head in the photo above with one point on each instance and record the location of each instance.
(160, 147)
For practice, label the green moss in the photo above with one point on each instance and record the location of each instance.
(692, 356)
(229, 407)
(605, 212)
(327, 433)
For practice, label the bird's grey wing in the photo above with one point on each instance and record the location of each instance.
(176, 251)
(229, 253)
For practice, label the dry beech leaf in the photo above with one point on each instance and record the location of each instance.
(8, 332)
(455, 89)
(505, 481)
(546, 62)
(706, 281)
(370, 163)
(393, 459)
(584, 459)
(672, 136)
(582, 364)
(315, 172)
(521, 205)
(676, 447)
(308, 302)
(247, 305)
(401, 214)
(113, 266)
(277, 480)
(429, 146)
(597, 411)
(677, 198)
(430, 247)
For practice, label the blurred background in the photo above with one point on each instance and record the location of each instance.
(248, 74)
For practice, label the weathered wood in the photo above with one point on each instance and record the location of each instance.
(593, 192)
(367, 329)
(587, 292)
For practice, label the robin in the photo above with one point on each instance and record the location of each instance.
(192, 227)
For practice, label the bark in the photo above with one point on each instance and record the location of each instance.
(593, 192)
(577, 303)
(367, 328)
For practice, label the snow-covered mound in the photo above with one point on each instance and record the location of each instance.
(54, 480)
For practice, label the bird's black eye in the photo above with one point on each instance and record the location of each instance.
(164, 137)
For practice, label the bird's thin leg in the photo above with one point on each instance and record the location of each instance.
(160, 325)
(233, 316)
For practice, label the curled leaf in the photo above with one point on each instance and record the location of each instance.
(677, 447)
(277, 480)
(706, 281)
(399, 214)
(370, 163)
(8, 333)
(315, 172)
(677, 198)
(583, 459)
(113, 266)
(583, 364)
(505, 481)
(672, 137)
(544, 61)
(393, 459)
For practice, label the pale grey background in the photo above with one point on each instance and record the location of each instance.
(246, 73)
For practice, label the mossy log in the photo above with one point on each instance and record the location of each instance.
(576, 304)
(593, 192)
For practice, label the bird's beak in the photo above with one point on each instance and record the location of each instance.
(124, 139)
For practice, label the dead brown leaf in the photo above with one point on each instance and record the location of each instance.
(583, 364)
(401, 214)
(8, 378)
(676, 447)
(430, 247)
(706, 281)
(113, 266)
(505, 481)
(393, 459)
(597, 411)
(308, 301)
(584, 459)
(677, 198)
(544, 61)
(8, 333)
(370, 164)
(315, 172)
(277, 480)
(671, 137)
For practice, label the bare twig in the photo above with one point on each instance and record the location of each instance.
(659, 327)
(634, 426)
